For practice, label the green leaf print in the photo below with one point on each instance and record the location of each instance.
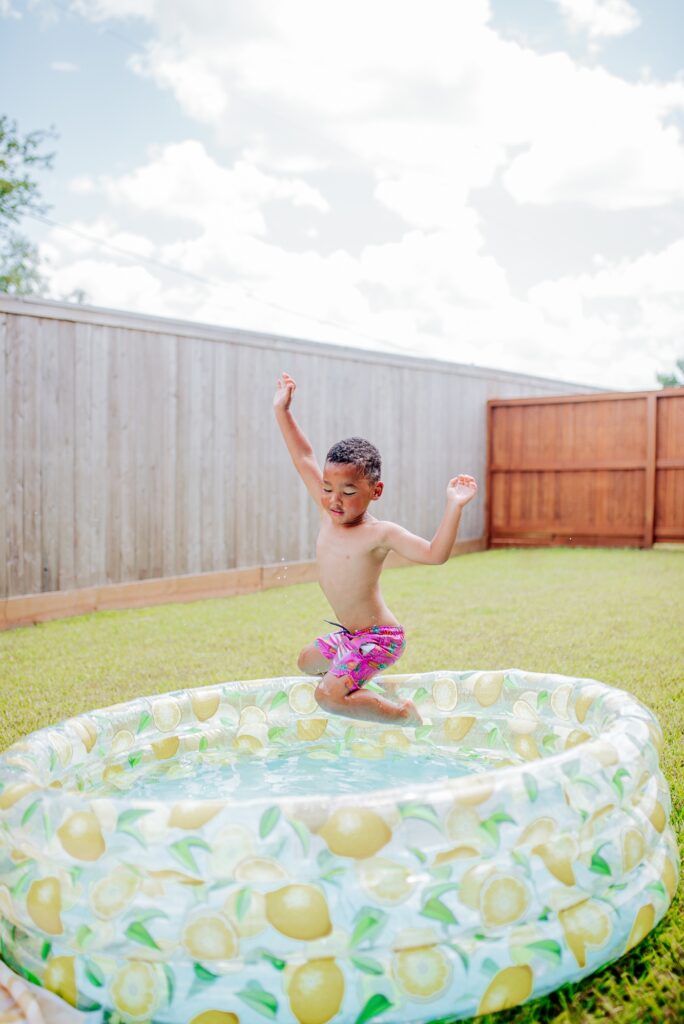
(274, 961)
(143, 722)
(422, 732)
(45, 950)
(490, 966)
(369, 923)
(269, 820)
(490, 826)
(438, 911)
(657, 888)
(135, 759)
(418, 854)
(620, 774)
(549, 743)
(302, 833)
(546, 948)
(170, 984)
(137, 932)
(94, 973)
(423, 812)
(599, 865)
(376, 1004)
(531, 786)
(279, 698)
(83, 935)
(182, 851)
(242, 902)
(259, 999)
(126, 823)
(276, 732)
(367, 965)
(203, 975)
(30, 811)
(420, 694)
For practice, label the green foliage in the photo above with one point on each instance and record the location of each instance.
(675, 379)
(20, 157)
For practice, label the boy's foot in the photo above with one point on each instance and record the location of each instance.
(409, 714)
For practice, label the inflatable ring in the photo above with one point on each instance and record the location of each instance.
(452, 896)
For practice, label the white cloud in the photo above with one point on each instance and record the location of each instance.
(7, 11)
(63, 66)
(600, 18)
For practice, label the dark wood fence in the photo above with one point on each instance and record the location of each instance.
(586, 469)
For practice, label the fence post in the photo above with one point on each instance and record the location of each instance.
(650, 483)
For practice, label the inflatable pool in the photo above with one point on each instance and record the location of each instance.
(231, 854)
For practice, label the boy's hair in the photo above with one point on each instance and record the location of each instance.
(356, 451)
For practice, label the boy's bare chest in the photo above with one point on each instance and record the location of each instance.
(346, 547)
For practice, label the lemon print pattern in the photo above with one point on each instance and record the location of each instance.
(317, 905)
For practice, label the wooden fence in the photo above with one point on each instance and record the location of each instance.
(587, 469)
(141, 462)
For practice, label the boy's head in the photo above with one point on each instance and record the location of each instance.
(351, 479)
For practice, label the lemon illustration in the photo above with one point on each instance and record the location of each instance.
(165, 748)
(422, 973)
(643, 923)
(558, 857)
(488, 688)
(299, 911)
(113, 893)
(60, 978)
(215, 1017)
(316, 991)
(386, 880)
(541, 830)
(367, 751)
(259, 869)
(355, 832)
(248, 743)
(503, 899)
(457, 853)
(525, 718)
(395, 739)
(508, 988)
(44, 904)
(471, 884)
(301, 698)
(463, 823)
(15, 792)
(656, 734)
(166, 713)
(81, 836)
(134, 990)
(604, 752)
(582, 704)
(252, 919)
(229, 846)
(445, 693)
(210, 936)
(61, 746)
(560, 697)
(576, 737)
(633, 849)
(122, 740)
(585, 924)
(86, 730)
(526, 747)
(458, 726)
(311, 728)
(252, 715)
(205, 705)
(192, 814)
(657, 817)
(169, 875)
(669, 877)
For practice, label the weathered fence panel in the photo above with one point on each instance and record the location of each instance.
(136, 448)
(587, 469)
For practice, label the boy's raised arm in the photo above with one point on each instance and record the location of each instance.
(298, 445)
(460, 491)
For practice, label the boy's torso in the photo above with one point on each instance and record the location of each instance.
(350, 561)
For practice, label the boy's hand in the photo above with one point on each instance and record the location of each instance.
(461, 490)
(285, 389)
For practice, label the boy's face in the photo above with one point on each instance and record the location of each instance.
(347, 493)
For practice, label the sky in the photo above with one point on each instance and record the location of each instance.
(491, 182)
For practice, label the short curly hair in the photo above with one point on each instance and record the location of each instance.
(357, 451)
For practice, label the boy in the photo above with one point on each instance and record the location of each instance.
(351, 548)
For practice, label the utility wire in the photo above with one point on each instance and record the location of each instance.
(209, 282)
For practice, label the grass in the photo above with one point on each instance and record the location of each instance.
(613, 615)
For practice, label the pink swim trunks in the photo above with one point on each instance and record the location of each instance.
(362, 654)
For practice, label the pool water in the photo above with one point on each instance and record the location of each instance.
(294, 771)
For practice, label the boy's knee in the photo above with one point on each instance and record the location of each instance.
(309, 661)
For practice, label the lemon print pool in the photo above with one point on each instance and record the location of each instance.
(231, 854)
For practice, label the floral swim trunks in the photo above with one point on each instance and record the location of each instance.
(362, 654)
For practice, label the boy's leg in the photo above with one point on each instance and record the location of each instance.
(337, 695)
(312, 661)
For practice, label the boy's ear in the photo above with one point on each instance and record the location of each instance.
(377, 490)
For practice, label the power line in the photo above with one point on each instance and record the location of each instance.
(209, 282)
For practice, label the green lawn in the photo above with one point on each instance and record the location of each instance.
(614, 615)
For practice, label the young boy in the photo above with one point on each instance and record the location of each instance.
(351, 548)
